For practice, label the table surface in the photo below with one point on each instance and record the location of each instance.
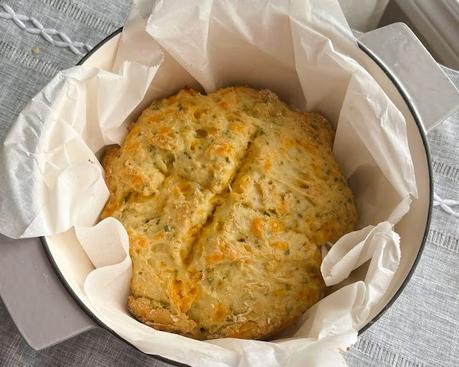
(420, 329)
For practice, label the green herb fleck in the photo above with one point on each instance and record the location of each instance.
(164, 304)
(287, 252)
(126, 197)
(167, 228)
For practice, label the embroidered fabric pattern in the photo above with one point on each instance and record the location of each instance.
(446, 205)
(33, 26)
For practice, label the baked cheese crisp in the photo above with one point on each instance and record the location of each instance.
(227, 198)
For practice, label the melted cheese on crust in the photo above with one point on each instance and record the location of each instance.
(226, 198)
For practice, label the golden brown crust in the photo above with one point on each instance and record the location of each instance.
(226, 199)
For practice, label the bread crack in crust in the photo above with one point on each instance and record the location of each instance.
(226, 198)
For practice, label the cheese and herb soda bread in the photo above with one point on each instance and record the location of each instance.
(227, 198)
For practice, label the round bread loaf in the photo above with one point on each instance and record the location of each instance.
(227, 198)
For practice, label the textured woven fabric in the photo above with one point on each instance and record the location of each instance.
(420, 329)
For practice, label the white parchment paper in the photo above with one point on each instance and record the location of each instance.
(52, 181)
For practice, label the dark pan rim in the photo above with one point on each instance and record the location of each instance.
(417, 119)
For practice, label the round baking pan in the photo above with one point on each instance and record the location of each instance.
(396, 91)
